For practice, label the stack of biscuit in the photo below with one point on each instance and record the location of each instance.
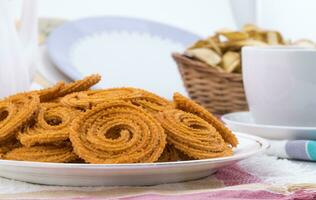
(70, 123)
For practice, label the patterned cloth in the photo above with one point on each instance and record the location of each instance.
(231, 183)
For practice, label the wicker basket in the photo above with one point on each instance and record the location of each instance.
(219, 92)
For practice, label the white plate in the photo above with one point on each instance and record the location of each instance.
(243, 122)
(126, 174)
(125, 51)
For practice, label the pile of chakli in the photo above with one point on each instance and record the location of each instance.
(74, 123)
(223, 49)
(34, 126)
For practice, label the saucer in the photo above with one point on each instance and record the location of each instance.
(243, 122)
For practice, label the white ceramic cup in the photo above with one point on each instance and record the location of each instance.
(280, 85)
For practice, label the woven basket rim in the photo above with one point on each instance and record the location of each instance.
(202, 66)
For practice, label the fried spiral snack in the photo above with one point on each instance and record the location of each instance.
(117, 132)
(150, 102)
(48, 94)
(193, 135)
(171, 154)
(73, 123)
(61, 88)
(51, 125)
(8, 146)
(190, 106)
(47, 153)
(15, 111)
(45, 95)
(87, 99)
(80, 85)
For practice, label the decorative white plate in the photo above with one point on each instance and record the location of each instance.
(127, 174)
(243, 122)
(125, 51)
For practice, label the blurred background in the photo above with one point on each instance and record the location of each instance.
(294, 18)
(136, 51)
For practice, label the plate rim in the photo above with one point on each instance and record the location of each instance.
(263, 143)
(68, 69)
(226, 119)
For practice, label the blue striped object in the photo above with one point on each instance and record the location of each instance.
(294, 149)
(311, 150)
(301, 149)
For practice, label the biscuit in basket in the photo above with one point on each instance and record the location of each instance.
(193, 135)
(51, 125)
(117, 132)
(190, 106)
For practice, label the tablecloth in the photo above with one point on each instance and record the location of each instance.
(259, 177)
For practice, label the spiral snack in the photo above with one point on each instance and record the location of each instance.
(150, 102)
(8, 146)
(88, 99)
(51, 125)
(193, 135)
(47, 153)
(49, 94)
(117, 132)
(171, 154)
(15, 111)
(61, 89)
(80, 85)
(190, 106)
(142, 98)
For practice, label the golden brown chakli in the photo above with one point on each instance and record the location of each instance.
(74, 123)
(16, 111)
(48, 153)
(41, 127)
(190, 106)
(117, 132)
(171, 154)
(193, 135)
(8, 145)
(51, 125)
(88, 99)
